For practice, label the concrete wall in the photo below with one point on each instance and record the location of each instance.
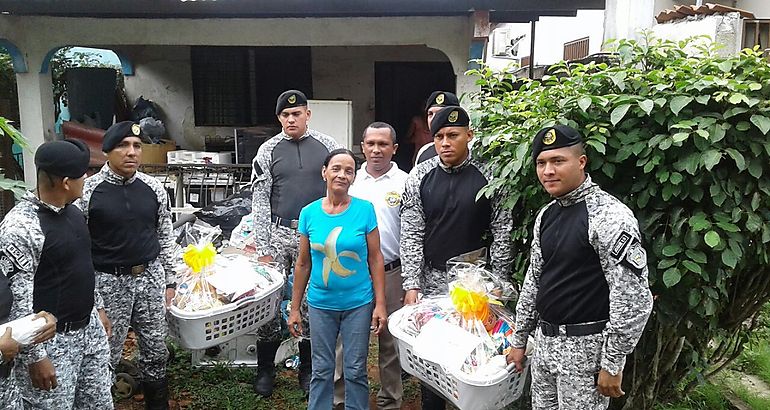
(725, 29)
(760, 8)
(36, 36)
(163, 75)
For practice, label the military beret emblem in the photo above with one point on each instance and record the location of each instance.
(440, 99)
(453, 116)
(292, 99)
(550, 137)
(136, 129)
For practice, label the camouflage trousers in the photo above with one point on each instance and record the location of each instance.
(81, 359)
(139, 302)
(284, 243)
(564, 370)
(10, 396)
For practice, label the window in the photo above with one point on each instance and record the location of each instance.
(238, 86)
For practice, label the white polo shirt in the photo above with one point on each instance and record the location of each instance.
(385, 194)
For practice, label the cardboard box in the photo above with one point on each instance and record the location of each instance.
(156, 153)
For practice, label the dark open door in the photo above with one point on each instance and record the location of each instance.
(400, 93)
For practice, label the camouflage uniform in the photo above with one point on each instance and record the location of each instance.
(416, 272)
(137, 300)
(564, 367)
(10, 396)
(80, 357)
(271, 238)
(441, 219)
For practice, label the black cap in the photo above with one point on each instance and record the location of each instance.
(558, 136)
(117, 132)
(290, 99)
(442, 99)
(66, 158)
(449, 117)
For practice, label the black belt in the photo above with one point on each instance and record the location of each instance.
(393, 265)
(62, 327)
(581, 329)
(121, 270)
(289, 223)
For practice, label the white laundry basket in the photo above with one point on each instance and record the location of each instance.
(210, 327)
(462, 390)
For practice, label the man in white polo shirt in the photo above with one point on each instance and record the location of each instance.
(381, 182)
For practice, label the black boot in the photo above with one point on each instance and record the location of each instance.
(430, 400)
(305, 366)
(156, 394)
(264, 382)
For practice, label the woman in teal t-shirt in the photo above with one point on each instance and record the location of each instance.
(342, 267)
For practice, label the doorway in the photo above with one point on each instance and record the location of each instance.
(401, 89)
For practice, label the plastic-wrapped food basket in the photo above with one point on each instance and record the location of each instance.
(465, 392)
(210, 327)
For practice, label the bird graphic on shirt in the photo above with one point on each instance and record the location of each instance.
(331, 261)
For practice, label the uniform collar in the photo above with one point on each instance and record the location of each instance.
(457, 168)
(578, 194)
(112, 177)
(393, 169)
(305, 135)
(32, 198)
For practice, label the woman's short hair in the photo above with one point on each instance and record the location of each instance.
(340, 151)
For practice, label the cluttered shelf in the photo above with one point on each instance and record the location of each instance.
(198, 185)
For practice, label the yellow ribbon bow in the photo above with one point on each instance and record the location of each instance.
(198, 257)
(471, 304)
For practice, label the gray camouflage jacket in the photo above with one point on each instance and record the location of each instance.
(262, 183)
(164, 226)
(415, 272)
(21, 246)
(614, 235)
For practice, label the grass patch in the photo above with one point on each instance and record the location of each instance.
(705, 397)
(756, 359)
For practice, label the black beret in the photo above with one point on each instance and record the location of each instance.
(442, 99)
(66, 158)
(290, 99)
(449, 117)
(558, 136)
(117, 132)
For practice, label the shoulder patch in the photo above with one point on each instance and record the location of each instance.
(12, 260)
(620, 245)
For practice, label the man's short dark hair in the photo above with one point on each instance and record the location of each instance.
(52, 180)
(380, 125)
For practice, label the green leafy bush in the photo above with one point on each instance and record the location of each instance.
(679, 134)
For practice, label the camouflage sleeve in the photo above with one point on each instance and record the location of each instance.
(501, 226)
(614, 234)
(166, 236)
(20, 248)
(330, 143)
(526, 315)
(262, 183)
(412, 232)
(164, 227)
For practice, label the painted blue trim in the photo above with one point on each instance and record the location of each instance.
(125, 63)
(47, 59)
(17, 58)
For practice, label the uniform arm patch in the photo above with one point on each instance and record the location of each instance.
(13, 261)
(629, 252)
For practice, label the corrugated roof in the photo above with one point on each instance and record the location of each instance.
(680, 12)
